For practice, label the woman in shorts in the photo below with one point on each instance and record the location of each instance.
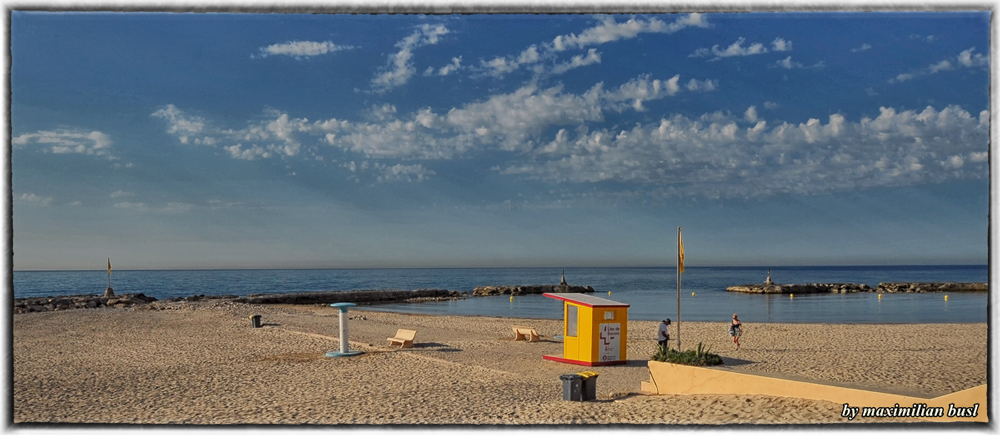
(736, 330)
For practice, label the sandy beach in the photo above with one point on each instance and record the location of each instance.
(202, 363)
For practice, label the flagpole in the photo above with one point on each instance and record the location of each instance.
(679, 289)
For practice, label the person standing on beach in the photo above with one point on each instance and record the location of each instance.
(736, 330)
(664, 333)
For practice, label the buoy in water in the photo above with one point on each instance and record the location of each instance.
(791, 295)
(512, 298)
(880, 297)
(692, 293)
(945, 297)
(609, 293)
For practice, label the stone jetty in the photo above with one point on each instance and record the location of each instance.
(58, 303)
(884, 287)
(928, 287)
(801, 288)
(355, 296)
(515, 290)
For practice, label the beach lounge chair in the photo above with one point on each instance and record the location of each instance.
(525, 333)
(404, 337)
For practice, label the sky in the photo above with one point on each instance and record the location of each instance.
(194, 140)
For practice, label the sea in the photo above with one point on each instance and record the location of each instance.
(651, 292)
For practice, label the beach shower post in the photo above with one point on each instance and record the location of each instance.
(344, 351)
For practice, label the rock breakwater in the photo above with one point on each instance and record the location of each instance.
(884, 287)
(514, 290)
(354, 296)
(801, 288)
(928, 287)
(58, 303)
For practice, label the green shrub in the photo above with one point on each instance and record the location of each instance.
(694, 357)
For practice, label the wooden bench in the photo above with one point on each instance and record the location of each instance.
(404, 337)
(526, 333)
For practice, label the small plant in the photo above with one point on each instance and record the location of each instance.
(695, 357)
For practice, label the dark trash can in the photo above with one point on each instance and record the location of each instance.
(589, 388)
(572, 385)
(255, 320)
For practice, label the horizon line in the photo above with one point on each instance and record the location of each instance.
(503, 267)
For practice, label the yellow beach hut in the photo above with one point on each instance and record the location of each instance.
(595, 330)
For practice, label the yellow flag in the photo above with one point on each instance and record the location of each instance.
(109, 266)
(680, 253)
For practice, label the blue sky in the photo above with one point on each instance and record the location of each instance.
(166, 140)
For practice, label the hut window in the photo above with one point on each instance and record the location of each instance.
(571, 320)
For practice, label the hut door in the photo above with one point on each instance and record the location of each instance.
(571, 336)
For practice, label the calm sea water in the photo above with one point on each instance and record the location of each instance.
(651, 292)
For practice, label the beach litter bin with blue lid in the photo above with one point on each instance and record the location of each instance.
(589, 385)
(255, 321)
(572, 385)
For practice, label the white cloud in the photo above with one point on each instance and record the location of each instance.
(940, 66)
(967, 59)
(713, 156)
(577, 61)
(250, 153)
(92, 143)
(787, 63)
(751, 114)
(276, 135)
(34, 199)
(902, 78)
(499, 66)
(780, 44)
(455, 65)
(610, 30)
(120, 193)
(704, 85)
(529, 55)
(863, 47)
(512, 122)
(400, 67)
(182, 125)
(301, 49)
(770, 105)
(406, 173)
(735, 49)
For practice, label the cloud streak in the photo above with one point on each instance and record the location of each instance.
(542, 57)
(966, 59)
(300, 49)
(92, 143)
(737, 49)
(400, 67)
(720, 156)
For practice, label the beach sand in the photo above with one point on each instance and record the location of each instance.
(202, 363)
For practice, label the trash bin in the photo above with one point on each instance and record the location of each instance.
(589, 387)
(255, 320)
(572, 387)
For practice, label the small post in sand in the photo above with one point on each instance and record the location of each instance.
(344, 351)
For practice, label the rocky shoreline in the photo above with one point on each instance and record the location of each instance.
(355, 296)
(884, 287)
(360, 297)
(515, 290)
